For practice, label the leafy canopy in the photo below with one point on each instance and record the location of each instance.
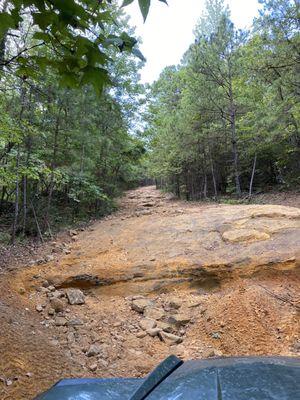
(76, 34)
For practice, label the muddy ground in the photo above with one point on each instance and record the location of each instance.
(158, 277)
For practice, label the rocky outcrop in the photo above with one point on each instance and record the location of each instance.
(189, 246)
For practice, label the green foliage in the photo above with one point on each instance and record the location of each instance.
(74, 35)
(144, 6)
(4, 238)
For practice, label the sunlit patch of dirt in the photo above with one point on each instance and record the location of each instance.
(224, 280)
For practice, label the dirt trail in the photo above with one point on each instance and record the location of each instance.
(158, 277)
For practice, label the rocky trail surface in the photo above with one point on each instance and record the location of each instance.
(158, 277)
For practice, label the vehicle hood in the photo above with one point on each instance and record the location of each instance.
(217, 379)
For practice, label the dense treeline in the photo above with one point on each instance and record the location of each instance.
(227, 119)
(65, 151)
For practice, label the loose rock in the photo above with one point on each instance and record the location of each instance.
(174, 304)
(139, 305)
(153, 332)
(71, 337)
(57, 305)
(43, 289)
(154, 313)
(169, 338)
(93, 367)
(147, 323)
(56, 294)
(93, 350)
(216, 335)
(214, 353)
(169, 328)
(75, 296)
(141, 335)
(179, 319)
(75, 322)
(60, 321)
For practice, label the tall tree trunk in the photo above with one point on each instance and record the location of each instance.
(235, 155)
(24, 203)
(205, 187)
(252, 175)
(4, 189)
(214, 178)
(213, 173)
(16, 214)
(177, 187)
(234, 137)
(3, 40)
(37, 224)
(28, 142)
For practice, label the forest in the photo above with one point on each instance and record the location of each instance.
(77, 127)
(226, 120)
(68, 106)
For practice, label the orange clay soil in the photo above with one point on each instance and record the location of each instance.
(158, 277)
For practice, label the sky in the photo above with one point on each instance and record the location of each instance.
(168, 31)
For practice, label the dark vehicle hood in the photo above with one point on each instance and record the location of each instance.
(217, 379)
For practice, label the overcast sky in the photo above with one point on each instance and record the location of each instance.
(168, 31)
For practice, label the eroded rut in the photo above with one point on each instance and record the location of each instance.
(158, 277)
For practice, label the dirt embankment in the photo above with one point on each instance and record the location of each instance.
(158, 277)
